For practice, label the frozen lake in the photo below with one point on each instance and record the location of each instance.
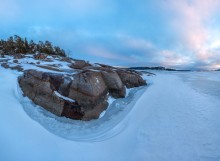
(176, 118)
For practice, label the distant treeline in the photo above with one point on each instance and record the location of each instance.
(156, 68)
(17, 45)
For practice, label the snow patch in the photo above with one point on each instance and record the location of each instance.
(63, 97)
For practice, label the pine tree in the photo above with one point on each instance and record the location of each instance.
(32, 47)
(17, 45)
(26, 45)
(10, 45)
(20, 45)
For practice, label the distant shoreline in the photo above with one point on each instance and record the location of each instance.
(168, 69)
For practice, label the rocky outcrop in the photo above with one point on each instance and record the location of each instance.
(80, 92)
(79, 64)
(40, 88)
(114, 84)
(66, 59)
(130, 78)
(87, 92)
(90, 91)
(52, 68)
(40, 56)
(17, 67)
(80, 96)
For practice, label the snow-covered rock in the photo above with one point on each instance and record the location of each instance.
(48, 80)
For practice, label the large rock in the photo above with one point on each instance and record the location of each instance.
(131, 78)
(67, 59)
(116, 87)
(82, 95)
(79, 64)
(49, 90)
(90, 91)
(40, 87)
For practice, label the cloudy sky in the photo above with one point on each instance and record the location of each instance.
(172, 33)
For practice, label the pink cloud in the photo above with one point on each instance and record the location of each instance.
(190, 22)
(171, 58)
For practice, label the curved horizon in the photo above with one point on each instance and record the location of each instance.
(176, 34)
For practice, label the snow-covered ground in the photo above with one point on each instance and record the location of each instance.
(176, 118)
(28, 62)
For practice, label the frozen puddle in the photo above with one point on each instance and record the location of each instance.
(95, 130)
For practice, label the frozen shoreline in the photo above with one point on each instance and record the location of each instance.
(170, 121)
(77, 130)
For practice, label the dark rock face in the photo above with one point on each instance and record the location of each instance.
(114, 84)
(15, 61)
(88, 91)
(81, 96)
(17, 67)
(5, 65)
(93, 68)
(79, 64)
(40, 89)
(67, 59)
(49, 68)
(131, 78)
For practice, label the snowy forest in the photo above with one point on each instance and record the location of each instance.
(17, 45)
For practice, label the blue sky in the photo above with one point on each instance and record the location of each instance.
(180, 34)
